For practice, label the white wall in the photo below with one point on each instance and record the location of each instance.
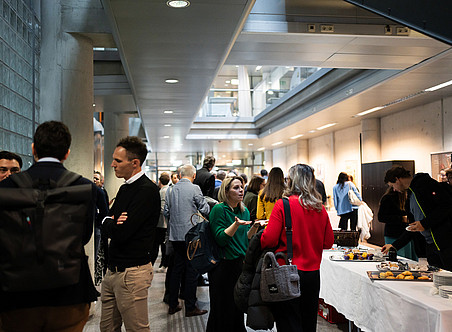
(412, 135)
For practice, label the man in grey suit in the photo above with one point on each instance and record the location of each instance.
(182, 201)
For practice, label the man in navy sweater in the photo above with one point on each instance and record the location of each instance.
(131, 228)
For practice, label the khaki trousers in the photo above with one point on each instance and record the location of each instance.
(124, 298)
(71, 318)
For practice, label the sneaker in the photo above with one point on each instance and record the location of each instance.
(195, 312)
(172, 311)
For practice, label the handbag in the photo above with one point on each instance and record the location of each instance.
(353, 199)
(280, 282)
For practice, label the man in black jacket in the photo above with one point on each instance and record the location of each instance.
(62, 308)
(204, 179)
(431, 205)
(131, 228)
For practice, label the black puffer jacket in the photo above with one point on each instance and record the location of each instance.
(247, 289)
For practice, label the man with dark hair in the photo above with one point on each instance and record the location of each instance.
(264, 174)
(62, 308)
(10, 163)
(204, 179)
(430, 203)
(131, 228)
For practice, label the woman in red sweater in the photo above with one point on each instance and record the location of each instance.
(312, 233)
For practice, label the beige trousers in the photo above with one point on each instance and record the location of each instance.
(124, 298)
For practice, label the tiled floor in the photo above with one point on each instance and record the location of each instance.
(160, 321)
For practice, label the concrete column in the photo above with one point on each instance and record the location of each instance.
(371, 140)
(244, 95)
(268, 159)
(303, 151)
(116, 126)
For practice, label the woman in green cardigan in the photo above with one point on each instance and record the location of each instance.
(230, 224)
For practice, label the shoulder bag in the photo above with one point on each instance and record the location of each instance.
(280, 283)
(354, 200)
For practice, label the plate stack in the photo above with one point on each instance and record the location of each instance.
(445, 291)
(442, 278)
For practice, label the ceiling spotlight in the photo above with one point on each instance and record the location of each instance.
(250, 144)
(94, 105)
(172, 81)
(178, 3)
(258, 68)
(168, 112)
(167, 125)
(227, 82)
(166, 136)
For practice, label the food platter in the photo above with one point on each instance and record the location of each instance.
(400, 276)
(401, 266)
(356, 257)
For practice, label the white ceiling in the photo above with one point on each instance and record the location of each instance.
(192, 44)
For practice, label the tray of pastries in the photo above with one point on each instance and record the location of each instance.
(400, 276)
(356, 255)
(401, 266)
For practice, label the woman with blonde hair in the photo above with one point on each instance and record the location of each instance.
(230, 225)
(311, 233)
(273, 190)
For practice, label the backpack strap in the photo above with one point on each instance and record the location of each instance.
(22, 180)
(288, 224)
(67, 178)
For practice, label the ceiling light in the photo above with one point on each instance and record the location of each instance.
(439, 86)
(261, 149)
(250, 144)
(296, 136)
(167, 125)
(236, 162)
(327, 126)
(311, 131)
(227, 82)
(224, 156)
(277, 143)
(171, 81)
(235, 81)
(94, 105)
(166, 136)
(258, 68)
(270, 92)
(370, 111)
(168, 112)
(178, 3)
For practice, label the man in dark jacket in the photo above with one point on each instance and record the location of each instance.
(53, 309)
(431, 205)
(131, 228)
(204, 179)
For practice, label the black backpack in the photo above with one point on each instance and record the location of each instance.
(202, 250)
(41, 232)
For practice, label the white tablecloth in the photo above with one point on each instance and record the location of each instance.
(382, 305)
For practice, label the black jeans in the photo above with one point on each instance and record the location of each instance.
(300, 314)
(353, 216)
(224, 316)
(182, 264)
(159, 241)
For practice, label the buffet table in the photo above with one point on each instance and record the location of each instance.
(383, 305)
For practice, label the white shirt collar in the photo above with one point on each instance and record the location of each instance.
(135, 177)
(49, 159)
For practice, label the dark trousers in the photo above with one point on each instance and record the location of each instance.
(353, 216)
(159, 242)
(181, 265)
(441, 258)
(300, 314)
(224, 315)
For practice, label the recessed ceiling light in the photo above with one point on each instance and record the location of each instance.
(296, 136)
(235, 81)
(94, 105)
(370, 111)
(277, 143)
(227, 82)
(327, 126)
(168, 112)
(258, 68)
(439, 86)
(167, 125)
(172, 81)
(261, 149)
(250, 144)
(166, 136)
(178, 3)
(311, 131)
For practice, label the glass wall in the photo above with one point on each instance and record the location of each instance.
(245, 91)
(19, 76)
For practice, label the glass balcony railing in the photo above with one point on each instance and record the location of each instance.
(245, 91)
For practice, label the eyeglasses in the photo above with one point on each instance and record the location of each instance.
(12, 170)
